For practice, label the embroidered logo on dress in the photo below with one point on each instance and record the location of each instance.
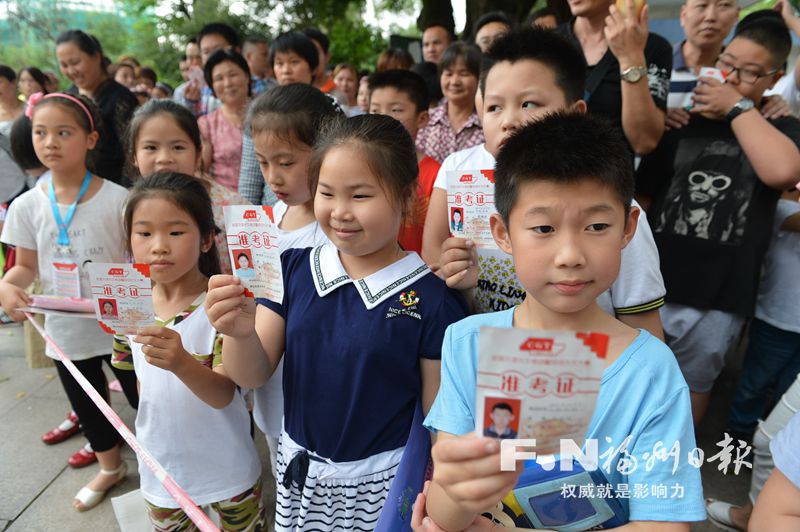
(409, 301)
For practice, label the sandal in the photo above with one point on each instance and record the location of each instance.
(82, 457)
(68, 428)
(719, 513)
(89, 498)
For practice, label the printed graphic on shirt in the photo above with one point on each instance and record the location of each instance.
(706, 200)
(498, 287)
(408, 306)
(658, 81)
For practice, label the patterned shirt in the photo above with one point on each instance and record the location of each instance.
(439, 139)
(251, 181)
(226, 146)
(259, 85)
(682, 81)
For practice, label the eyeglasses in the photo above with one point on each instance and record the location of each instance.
(745, 74)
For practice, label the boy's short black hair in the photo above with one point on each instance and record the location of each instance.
(255, 39)
(221, 56)
(488, 18)
(317, 35)
(767, 28)
(221, 29)
(546, 47)
(503, 406)
(564, 147)
(404, 81)
(148, 73)
(299, 43)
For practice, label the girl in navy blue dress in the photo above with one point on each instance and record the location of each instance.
(361, 325)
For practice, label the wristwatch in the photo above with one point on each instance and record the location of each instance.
(745, 104)
(633, 74)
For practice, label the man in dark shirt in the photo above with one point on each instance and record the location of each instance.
(629, 68)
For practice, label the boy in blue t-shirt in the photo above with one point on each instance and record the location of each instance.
(564, 214)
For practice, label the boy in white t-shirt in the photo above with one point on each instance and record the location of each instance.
(524, 83)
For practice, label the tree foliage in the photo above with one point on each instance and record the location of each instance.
(156, 31)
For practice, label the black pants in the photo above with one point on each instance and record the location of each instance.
(101, 434)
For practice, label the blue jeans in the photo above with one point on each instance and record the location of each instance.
(772, 360)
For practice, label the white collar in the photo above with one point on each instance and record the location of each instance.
(329, 274)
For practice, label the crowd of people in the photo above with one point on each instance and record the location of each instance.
(645, 191)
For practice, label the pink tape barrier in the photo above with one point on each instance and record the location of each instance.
(195, 514)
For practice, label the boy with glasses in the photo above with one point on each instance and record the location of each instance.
(714, 185)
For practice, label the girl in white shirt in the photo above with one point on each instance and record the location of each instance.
(191, 416)
(71, 219)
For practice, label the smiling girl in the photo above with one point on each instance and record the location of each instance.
(191, 416)
(164, 137)
(353, 378)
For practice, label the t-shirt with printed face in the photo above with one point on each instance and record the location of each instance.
(711, 216)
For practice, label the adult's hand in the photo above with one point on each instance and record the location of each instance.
(192, 91)
(626, 34)
(774, 107)
(677, 117)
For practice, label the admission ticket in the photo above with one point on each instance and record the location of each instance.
(252, 237)
(470, 202)
(123, 296)
(538, 384)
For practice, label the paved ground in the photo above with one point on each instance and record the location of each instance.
(37, 486)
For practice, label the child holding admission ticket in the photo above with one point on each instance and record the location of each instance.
(163, 136)
(191, 417)
(285, 123)
(526, 75)
(362, 323)
(564, 214)
(57, 227)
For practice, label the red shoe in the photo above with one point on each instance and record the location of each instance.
(82, 458)
(68, 428)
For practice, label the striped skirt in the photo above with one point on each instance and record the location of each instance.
(316, 494)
